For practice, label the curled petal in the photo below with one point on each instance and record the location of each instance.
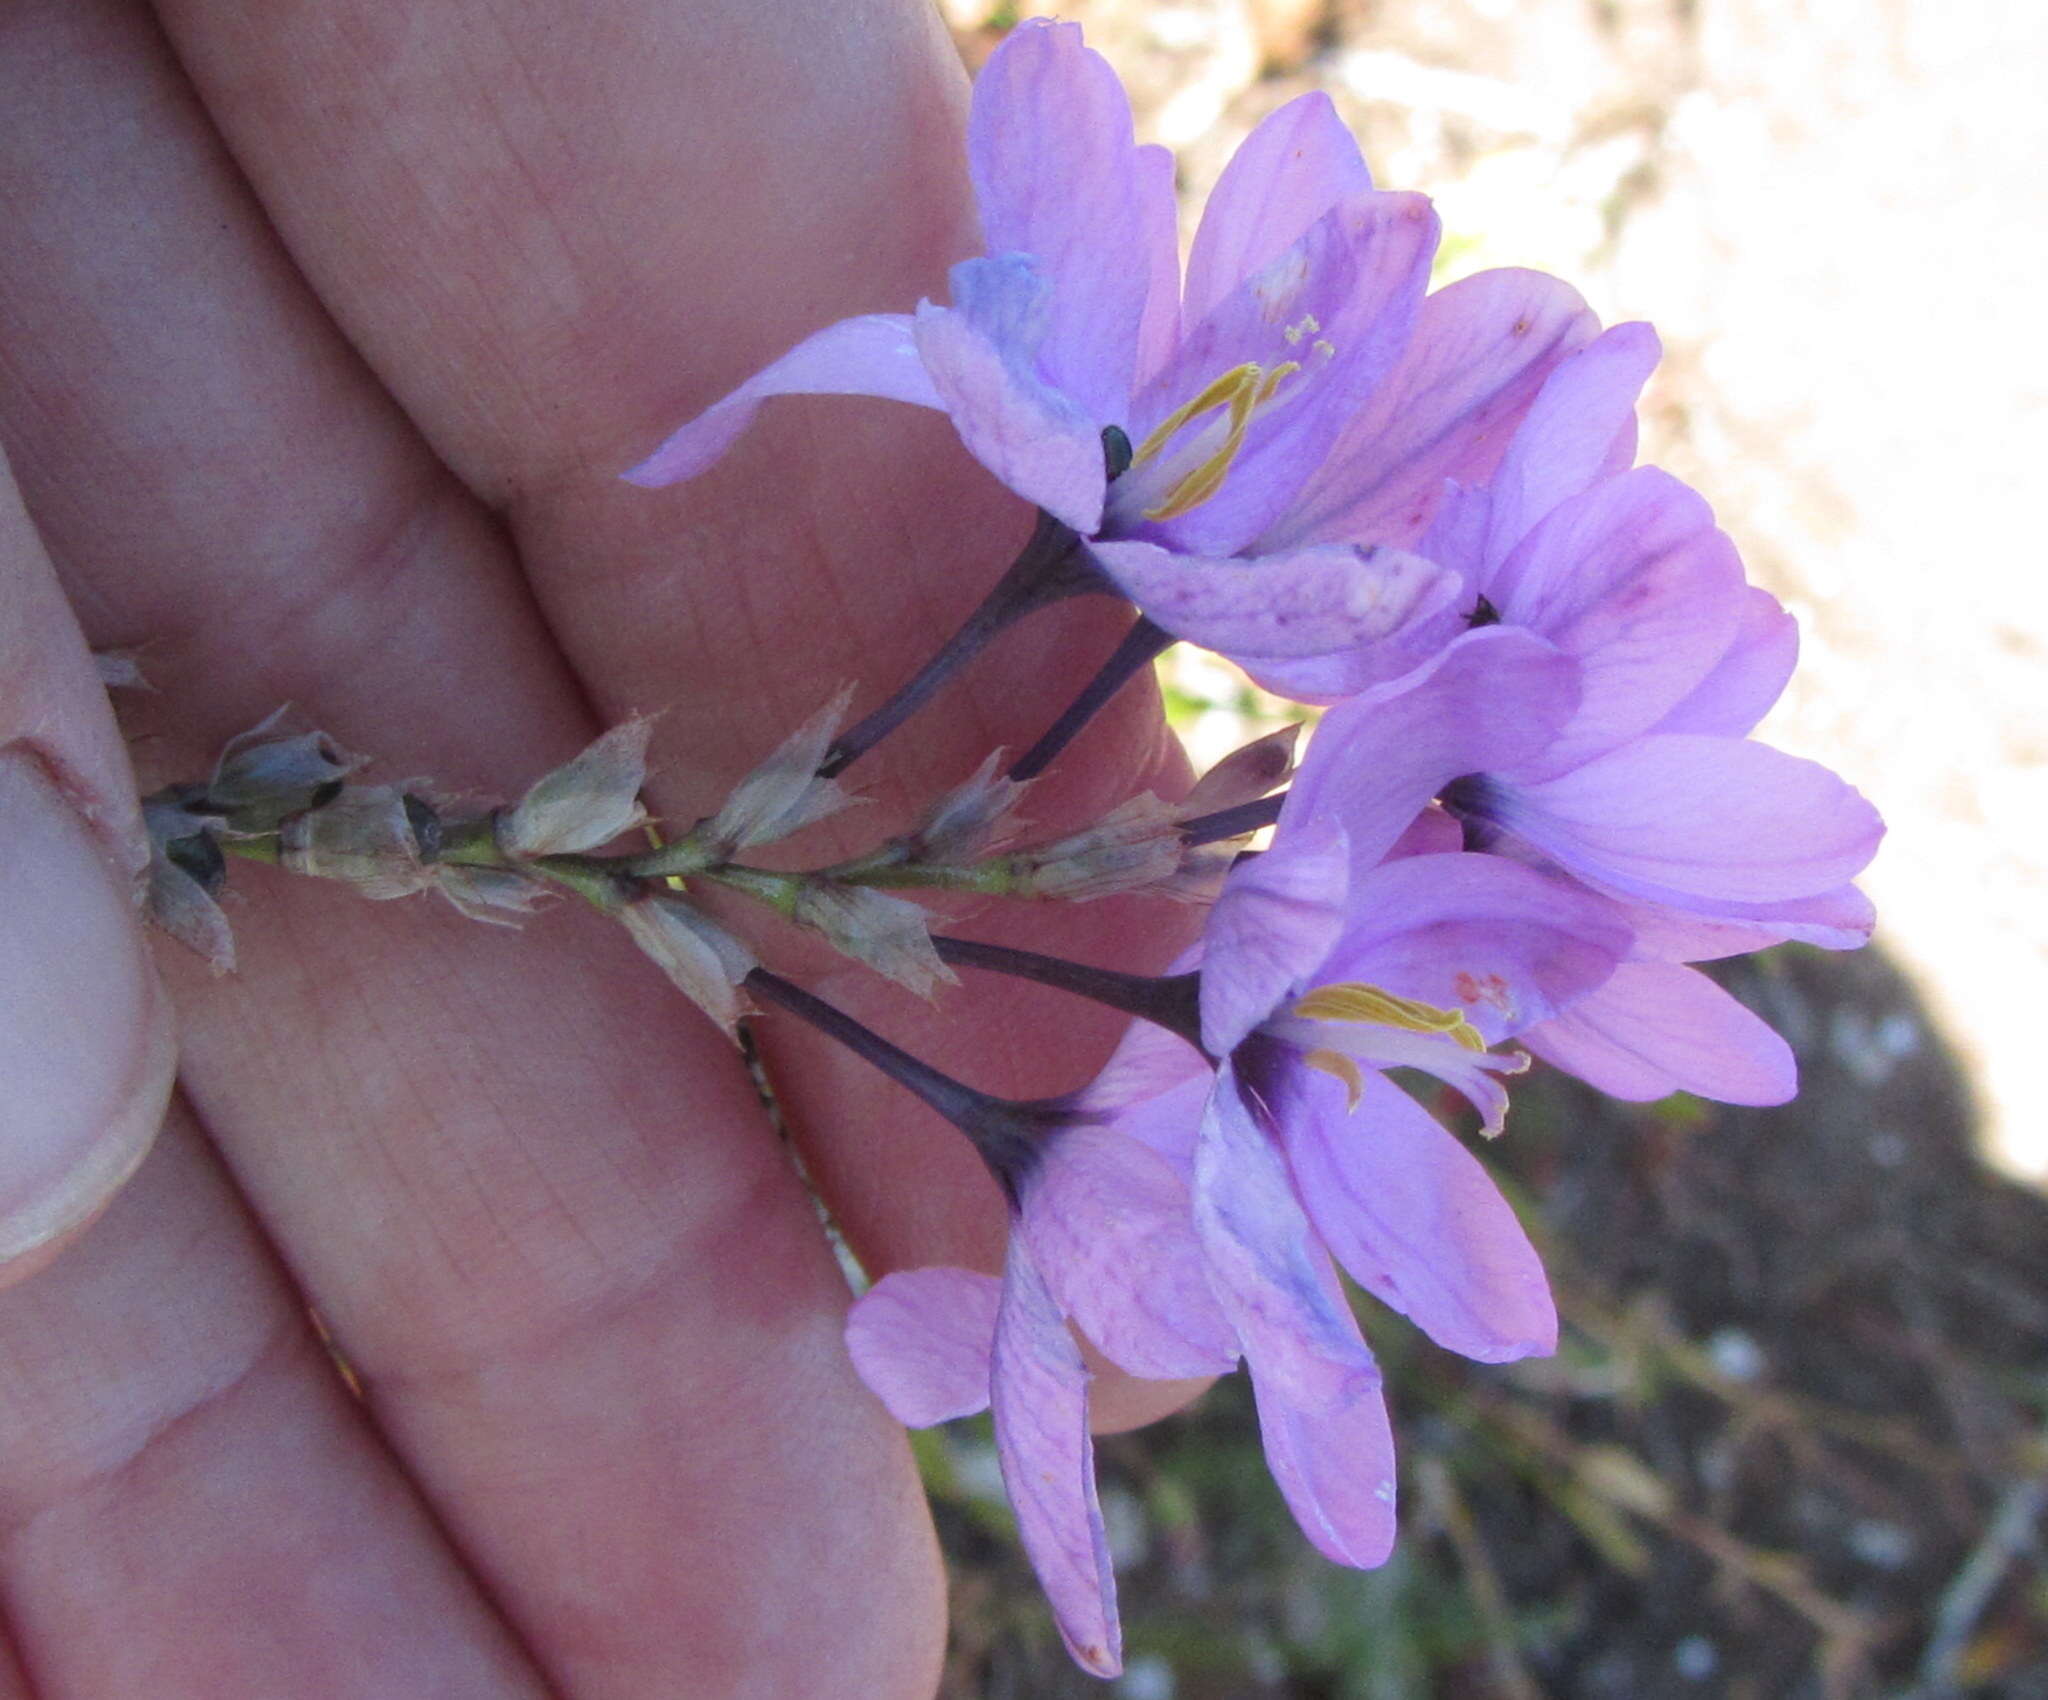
(922, 1340)
(871, 356)
(1039, 1392)
(1656, 1028)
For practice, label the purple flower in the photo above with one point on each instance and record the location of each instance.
(1101, 1234)
(1292, 407)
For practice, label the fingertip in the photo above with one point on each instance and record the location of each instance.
(86, 1047)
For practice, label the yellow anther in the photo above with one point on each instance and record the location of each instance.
(1244, 390)
(1216, 393)
(1356, 1001)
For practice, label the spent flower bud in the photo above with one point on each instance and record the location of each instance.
(705, 962)
(185, 870)
(586, 802)
(265, 774)
(369, 837)
(890, 934)
(974, 818)
(494, 896)
(1135, 847)
(784, 794)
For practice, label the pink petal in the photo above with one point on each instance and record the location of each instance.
(1506, 945)
(921, 1340)
(1320, 1409)
(1748, 679)
(1295, 166)
(1057, 176)
(1481, 351)
(1656, 1028)
(1048, 1460)
(872, 356)
(1334, 1463)
(1417, 1221)
(979, 354)
(1841, 919)
(1359, 272)
(1568, 437)
(1110, 1224)
(1631, 578)
(1678, 816)
(1158, 233)
(1274, 921)
(1495, 698)
(1308, 603)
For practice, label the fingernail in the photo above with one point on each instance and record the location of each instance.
(86, 1055)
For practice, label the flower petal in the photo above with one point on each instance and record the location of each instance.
(1057, 176)
(1493, 699)
(1341, 302)
(1481, 351)
(980, 353)
(1274, 921)
(1416, 1220)
(1656, 1028)
(1040, 1401)
(1110, 1224)
(1633, 579)
(1569, 436)
(1693, 821)
(1502, 943)
(1334, 1464)
(1841, 919)
(1311, 602)
(1295, 166)
(1750, 676)
(872, 356)
(921, 1340)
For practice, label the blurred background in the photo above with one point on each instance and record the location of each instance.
(1794, 1443)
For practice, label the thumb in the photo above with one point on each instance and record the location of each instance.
(86, 1051)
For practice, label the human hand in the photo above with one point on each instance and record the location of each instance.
(321, 365)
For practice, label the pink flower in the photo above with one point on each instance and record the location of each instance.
(1289, 410)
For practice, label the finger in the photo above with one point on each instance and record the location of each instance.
(532, 1195)
(85, 1033)
(192, 1504)
(554, 246)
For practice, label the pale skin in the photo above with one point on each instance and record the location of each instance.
(324, 332)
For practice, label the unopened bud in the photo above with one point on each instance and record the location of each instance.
(366, 837)
(705, 962)
(586, 802)
(1245, 775)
